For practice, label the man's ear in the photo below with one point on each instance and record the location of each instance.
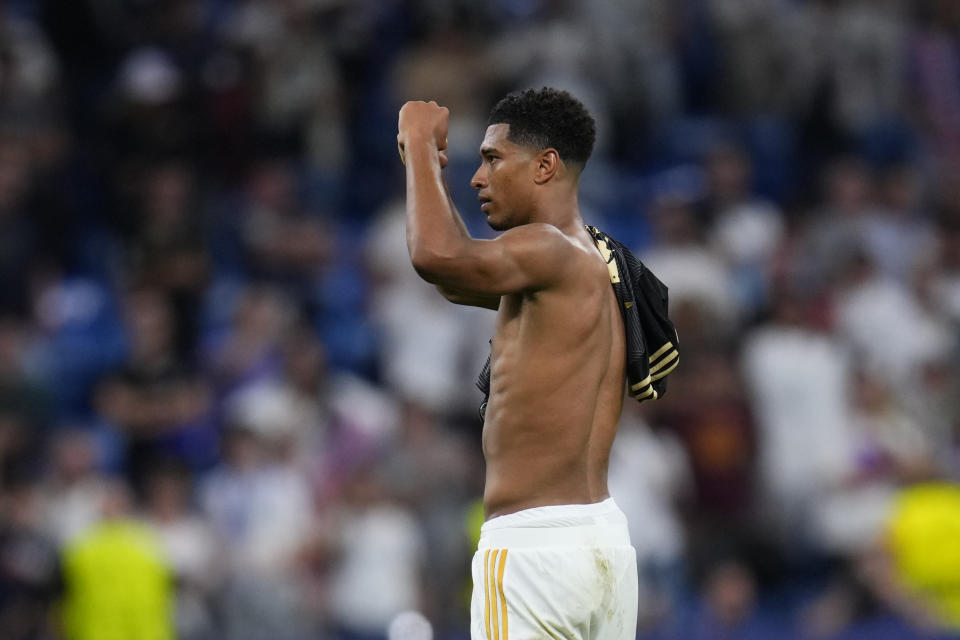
(548, 164)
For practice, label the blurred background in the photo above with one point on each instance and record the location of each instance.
(230, 410)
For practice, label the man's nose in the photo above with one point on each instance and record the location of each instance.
(478, 180)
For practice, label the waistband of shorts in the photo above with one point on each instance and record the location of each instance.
(601, 524)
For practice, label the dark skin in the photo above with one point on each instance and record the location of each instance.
(558, 356)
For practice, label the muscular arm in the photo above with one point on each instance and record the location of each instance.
(467, 270)
(451, 293)
(432, 220)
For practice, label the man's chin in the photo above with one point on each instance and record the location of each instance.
(497, 225)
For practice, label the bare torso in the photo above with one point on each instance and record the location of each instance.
(557, 383)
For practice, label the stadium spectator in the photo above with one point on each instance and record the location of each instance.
(431, 470)
(262, 510)
(156, 402)
(695, 274)
(29, 573)
(190, 547)
(926, 517)
(247, 348)
(728, 606)
(24, 404)
(798, 380)
(283, 243)
(75, 486)
(379, 557)
(116, 580)
(745, 230)
(21, 238)
(650, 478)
(166, 251)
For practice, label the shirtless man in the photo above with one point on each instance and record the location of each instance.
(554, 558)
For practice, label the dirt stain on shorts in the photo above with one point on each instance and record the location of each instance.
(605, 583)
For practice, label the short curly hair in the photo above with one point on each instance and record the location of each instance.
(547, 117)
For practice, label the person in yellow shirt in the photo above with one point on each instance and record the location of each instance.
(117, 585)
(924, 543)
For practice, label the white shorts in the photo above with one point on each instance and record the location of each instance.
(563, 571)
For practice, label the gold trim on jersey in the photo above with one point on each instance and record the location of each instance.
(640, 385)
(659, 352)
(660, 365)
(667, 370)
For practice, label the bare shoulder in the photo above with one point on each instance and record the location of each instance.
(537, 233)
(543, 247)
(558, 257)
(542, 242)
(527, 258)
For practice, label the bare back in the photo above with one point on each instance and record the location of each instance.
(557, 382)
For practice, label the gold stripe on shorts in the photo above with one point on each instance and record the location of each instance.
(493, 595)
(486, 590)
(503, 599)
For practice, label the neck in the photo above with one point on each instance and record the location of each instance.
(561, 209)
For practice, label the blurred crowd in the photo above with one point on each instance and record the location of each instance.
(230, 410)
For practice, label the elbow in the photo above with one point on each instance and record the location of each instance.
(429, 265)
(423, 264)
(420, 258)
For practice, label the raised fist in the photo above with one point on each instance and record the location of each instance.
(423, 122)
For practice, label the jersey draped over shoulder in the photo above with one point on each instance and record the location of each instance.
(651, 339)
(652, 343)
